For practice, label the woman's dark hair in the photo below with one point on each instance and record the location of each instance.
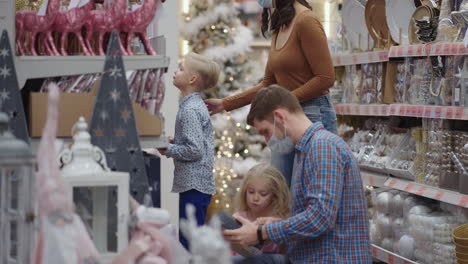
(282, 16)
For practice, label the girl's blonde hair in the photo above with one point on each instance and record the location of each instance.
(280, 204)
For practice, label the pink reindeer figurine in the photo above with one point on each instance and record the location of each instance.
(136, 22)
(29, 21)
(72, 21)
(105, 21)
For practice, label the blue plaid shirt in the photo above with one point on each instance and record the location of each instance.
(329, 222)
(193, 148)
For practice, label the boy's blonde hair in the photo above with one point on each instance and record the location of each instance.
(280, 205)
(206, 69)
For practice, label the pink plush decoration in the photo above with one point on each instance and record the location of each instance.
(62, 236)
(105, 21)
(72, 21)
(29, 21)
(136, 22)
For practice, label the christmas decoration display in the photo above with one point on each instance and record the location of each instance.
(17, 203)
(113, 123)
(62, 235)
(207, 242)
(33, 23)
(10, 96)
(105, 21)
(213, 29)
(136, 22)
(88, 179)
(72, 21)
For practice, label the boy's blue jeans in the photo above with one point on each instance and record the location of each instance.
(261, 259)
(319, 109)
(200, 201)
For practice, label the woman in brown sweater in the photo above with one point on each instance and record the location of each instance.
(300, 61)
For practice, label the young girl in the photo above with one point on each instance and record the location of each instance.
(264, 193)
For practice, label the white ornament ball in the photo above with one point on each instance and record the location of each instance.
(406, 246)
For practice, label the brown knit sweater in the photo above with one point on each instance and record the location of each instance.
(303, 65)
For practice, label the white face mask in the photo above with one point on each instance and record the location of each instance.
(281, 146)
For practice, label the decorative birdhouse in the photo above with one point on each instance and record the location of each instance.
(17, 198)
(95, 189)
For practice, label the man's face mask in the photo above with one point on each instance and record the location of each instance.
(281, 146)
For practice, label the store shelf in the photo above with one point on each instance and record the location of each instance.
(389, 257)
(145, 142)
(431, 192)
(373, 179)
(443, 112)
(30, 67)
(428, 50)
(360, 58)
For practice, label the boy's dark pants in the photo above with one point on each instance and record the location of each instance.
(200, 201)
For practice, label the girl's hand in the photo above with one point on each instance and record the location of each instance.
(214, 105)
(267, 220)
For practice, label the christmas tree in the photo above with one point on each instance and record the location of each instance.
(213, 29)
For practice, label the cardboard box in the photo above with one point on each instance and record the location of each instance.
(74, 105)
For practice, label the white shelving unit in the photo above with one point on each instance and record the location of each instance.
(389, 257)
(423, 111)
(384, 179)
(30, 67)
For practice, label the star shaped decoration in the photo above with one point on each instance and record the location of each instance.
(125, 114)
(120, 132)
(115, 72)
(4, 52)
(5, 72)
(4, 95)
(115, 95)
(98, 132)
(104, 115)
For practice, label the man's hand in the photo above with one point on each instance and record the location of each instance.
(244, 236)
(267, 220)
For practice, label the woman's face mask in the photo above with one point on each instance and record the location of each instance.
(265, 3)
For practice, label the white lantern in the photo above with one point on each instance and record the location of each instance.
(17, 198)
(92, 185)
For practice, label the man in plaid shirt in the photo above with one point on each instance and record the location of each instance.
(329, 221)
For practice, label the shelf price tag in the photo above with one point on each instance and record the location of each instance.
(421, 190)
(459, 112)
(338, 60)
(447, 49)
(408, 187)
(392, 183)
(449, 113)
(371, 180)
(370, 56)
(355, 59)
(439, 195)
(383, 56)
(463, 201)
(400, 51)
(374, 252)
(438, 112)
(391, 259)
(420, 50)
(410, 51)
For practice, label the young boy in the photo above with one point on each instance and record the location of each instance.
(193, 145)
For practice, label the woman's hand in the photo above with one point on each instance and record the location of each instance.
(214, 105)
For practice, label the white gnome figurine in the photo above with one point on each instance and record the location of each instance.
(207, 244)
